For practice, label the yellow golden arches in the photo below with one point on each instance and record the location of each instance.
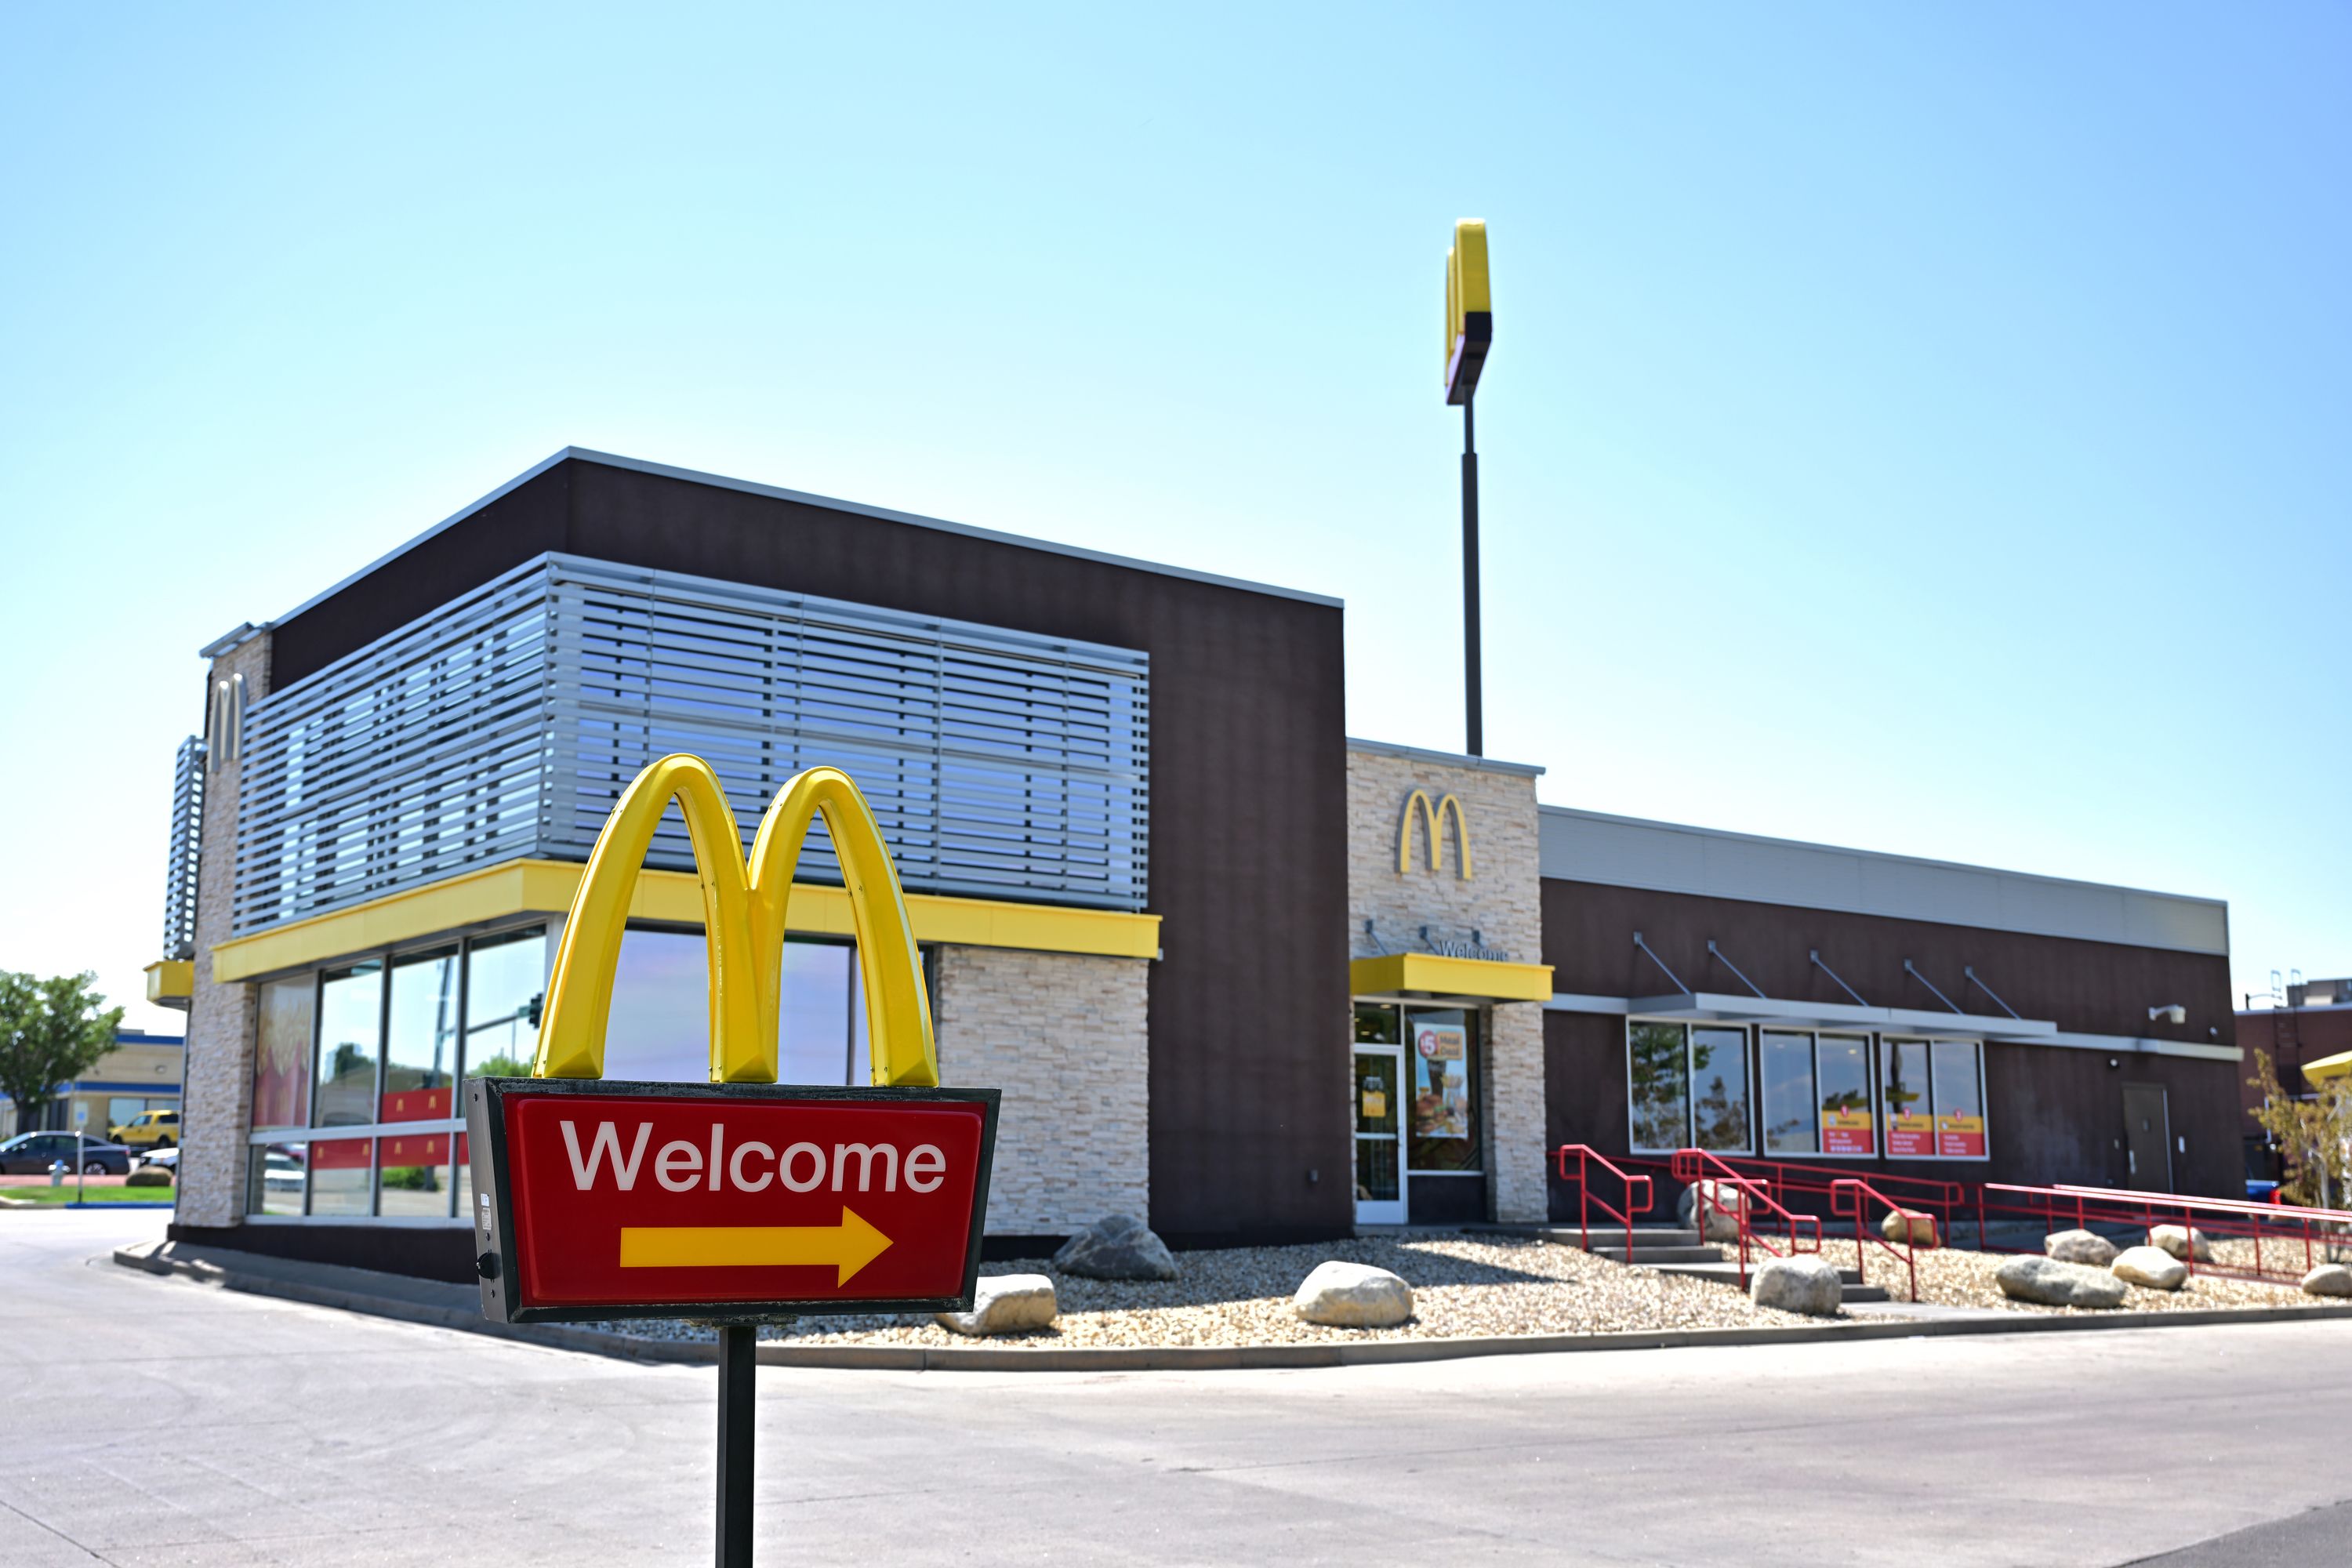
(1434, 819)
(743, 925)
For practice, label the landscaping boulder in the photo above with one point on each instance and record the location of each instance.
(148, 1176)
(1723, 1203)
(1118, 1247)
(2086, 1246)
(2149, 1266)
(1805, 1284)
(2054, 1284)
(2328, 1280)
(1909, 1225)
(1005, 1304)
(2179, 1241)
(1353, 1296)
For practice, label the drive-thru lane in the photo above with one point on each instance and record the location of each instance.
(157, 1421)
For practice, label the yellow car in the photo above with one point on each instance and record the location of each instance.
(147, 1129)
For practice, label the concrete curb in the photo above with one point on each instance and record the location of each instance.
(152, 1257)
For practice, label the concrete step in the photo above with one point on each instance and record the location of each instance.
(1727, 1272)
(1604, 1237)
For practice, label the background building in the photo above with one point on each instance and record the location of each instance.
(141, 1073)
(2304, 1021)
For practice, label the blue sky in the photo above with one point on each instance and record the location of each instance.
(1923, 428)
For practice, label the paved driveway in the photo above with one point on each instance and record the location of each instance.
(157, 1421)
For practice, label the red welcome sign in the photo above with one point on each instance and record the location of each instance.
(725, 1201)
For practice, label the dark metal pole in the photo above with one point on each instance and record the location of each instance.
(1471, 706)
(738, 1391)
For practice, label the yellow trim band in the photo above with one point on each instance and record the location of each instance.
(1394, 974)
(546, 888)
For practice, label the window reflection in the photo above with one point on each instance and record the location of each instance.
(1785, 1063)
(420, 1051)
(506, 980)
(350, 1012)
(1660, 1068)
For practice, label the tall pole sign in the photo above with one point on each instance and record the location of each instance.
(1469, 333)
(739, 1201)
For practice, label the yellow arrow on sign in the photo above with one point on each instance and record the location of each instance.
(848, 1247)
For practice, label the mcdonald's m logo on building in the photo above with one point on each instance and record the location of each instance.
(1432, 819)
(741, 1199)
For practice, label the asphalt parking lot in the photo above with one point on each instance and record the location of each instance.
(158, 1421)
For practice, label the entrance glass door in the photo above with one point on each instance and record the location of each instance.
(1380, 1147)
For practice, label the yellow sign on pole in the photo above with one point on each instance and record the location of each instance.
(1469, 310)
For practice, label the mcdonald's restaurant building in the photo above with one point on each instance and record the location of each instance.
(1232, 969)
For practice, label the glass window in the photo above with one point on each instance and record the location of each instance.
(814, 1024)
(506, 984)
(1376, 1127)
(1443, 1052)
(420, 1053)
(121, 1108)
(1792, 1109)
(350, 1017)
(1959, 1099)
(1376, 1025)
(659, 1028)
(340, 1176)
(1910, 1124)
(1841, 1064)
(281, 1056)
(1659, 1075)
(1720, 1089)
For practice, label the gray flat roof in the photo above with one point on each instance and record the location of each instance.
(749, 487)
(1629, 852)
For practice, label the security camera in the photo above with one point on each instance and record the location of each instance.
(2176, 1014)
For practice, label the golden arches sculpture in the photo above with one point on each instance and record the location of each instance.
(1434, 818)
(744, 911)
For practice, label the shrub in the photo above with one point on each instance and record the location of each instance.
(148, 1176)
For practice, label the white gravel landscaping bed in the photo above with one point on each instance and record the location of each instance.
(1950, 1277)
(1464, 1287)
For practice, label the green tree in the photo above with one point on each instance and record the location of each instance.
(51, 1032)
(2315, 1134)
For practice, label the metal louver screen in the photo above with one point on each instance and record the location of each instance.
(180, 864)
(999, 764)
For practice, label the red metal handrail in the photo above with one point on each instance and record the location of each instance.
(2316, 1234)
(1690, 1166)
(1586, 1155)
(1855, 1189)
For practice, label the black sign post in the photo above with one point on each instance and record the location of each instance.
(739, 1366)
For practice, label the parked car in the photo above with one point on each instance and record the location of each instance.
(147, 1129)
(166, 1158)
(32, 1153)
(282, 1173)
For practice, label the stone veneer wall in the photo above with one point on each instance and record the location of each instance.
(1502, 901)
(217, 1099)
(1065, 1038)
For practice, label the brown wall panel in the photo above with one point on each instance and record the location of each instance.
(1248, 1008)
(2054, 1114)
(2092, 988)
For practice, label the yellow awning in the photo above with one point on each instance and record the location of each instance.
(545, 887)
(1429, 974)
(2335, 1066)
(170, 980)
